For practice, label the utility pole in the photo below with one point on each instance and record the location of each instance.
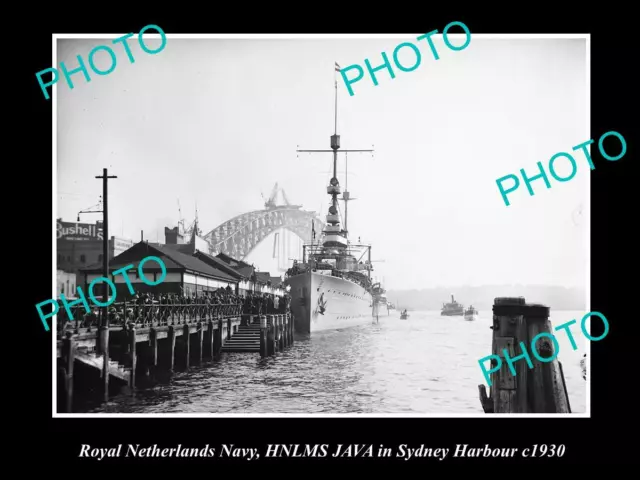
(104, 324)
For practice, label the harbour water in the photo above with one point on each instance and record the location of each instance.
(425, 364)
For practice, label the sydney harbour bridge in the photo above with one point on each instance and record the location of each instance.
(238, 236)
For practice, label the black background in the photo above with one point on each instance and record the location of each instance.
(606, 437)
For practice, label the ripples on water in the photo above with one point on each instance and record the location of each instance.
(426, 364)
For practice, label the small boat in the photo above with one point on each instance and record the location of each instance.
(452, 309)
(471, 314)
(404, 315)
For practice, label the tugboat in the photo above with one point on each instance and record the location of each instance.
(404, 315)
(471, 313)
(452, 309)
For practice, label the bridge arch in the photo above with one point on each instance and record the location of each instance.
(238, 236)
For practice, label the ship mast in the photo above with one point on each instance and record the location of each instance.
(335, 236)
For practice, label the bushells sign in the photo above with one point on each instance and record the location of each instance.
(78, 231)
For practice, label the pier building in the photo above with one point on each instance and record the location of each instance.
(185, 273)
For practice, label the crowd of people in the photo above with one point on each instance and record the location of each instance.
(146, 307)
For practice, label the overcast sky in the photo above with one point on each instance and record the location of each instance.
(217, 122)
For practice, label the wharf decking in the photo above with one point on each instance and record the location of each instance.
(156, 336)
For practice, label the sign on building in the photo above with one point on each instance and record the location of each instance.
(119, 245)
(79, 231)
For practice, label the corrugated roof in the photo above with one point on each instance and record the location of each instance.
(172, 259)
(205, 257)
(235, 263)
(263, 277)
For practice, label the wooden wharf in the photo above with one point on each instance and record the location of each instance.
(142, 338)
(540, 389)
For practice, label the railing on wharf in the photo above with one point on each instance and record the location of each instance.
(145, 315)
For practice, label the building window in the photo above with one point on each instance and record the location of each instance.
(83, 258)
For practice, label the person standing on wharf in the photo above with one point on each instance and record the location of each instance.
(111, 285)
(83, 68)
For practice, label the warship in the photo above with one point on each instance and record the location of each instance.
(452, 309)
(331, 287)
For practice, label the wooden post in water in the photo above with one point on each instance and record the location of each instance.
(546, 380)
(200, 337)
(134, 357)
(281, 332)
(263, 336)
(171, 336)
(153, 351)
(285, 330)
(533, 386)
(229, 328)
(186, 337)
(210, 338)
(270, 336)
(291, 326)
(276, 328)
(218, 341)
(68, 356)
(104, 349)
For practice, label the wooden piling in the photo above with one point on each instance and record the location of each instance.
(547, 379)
(209, 339)
(171, 336)
(263, 336)
(200, 337)
(104, 349)
(285, 331)
(218, 338)
(270, 336)
(68, 356)
(133, 356)
(186, 337)
(536, 389)
(281, 332)
(153, 350)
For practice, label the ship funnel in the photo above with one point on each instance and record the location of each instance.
(452, 301)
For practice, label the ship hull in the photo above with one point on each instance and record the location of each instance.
(452, 313)
(323, 302)
(471, 317)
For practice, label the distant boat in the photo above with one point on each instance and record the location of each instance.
(452, 309)
(471, 314)
(404, 315)
(380, 302)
